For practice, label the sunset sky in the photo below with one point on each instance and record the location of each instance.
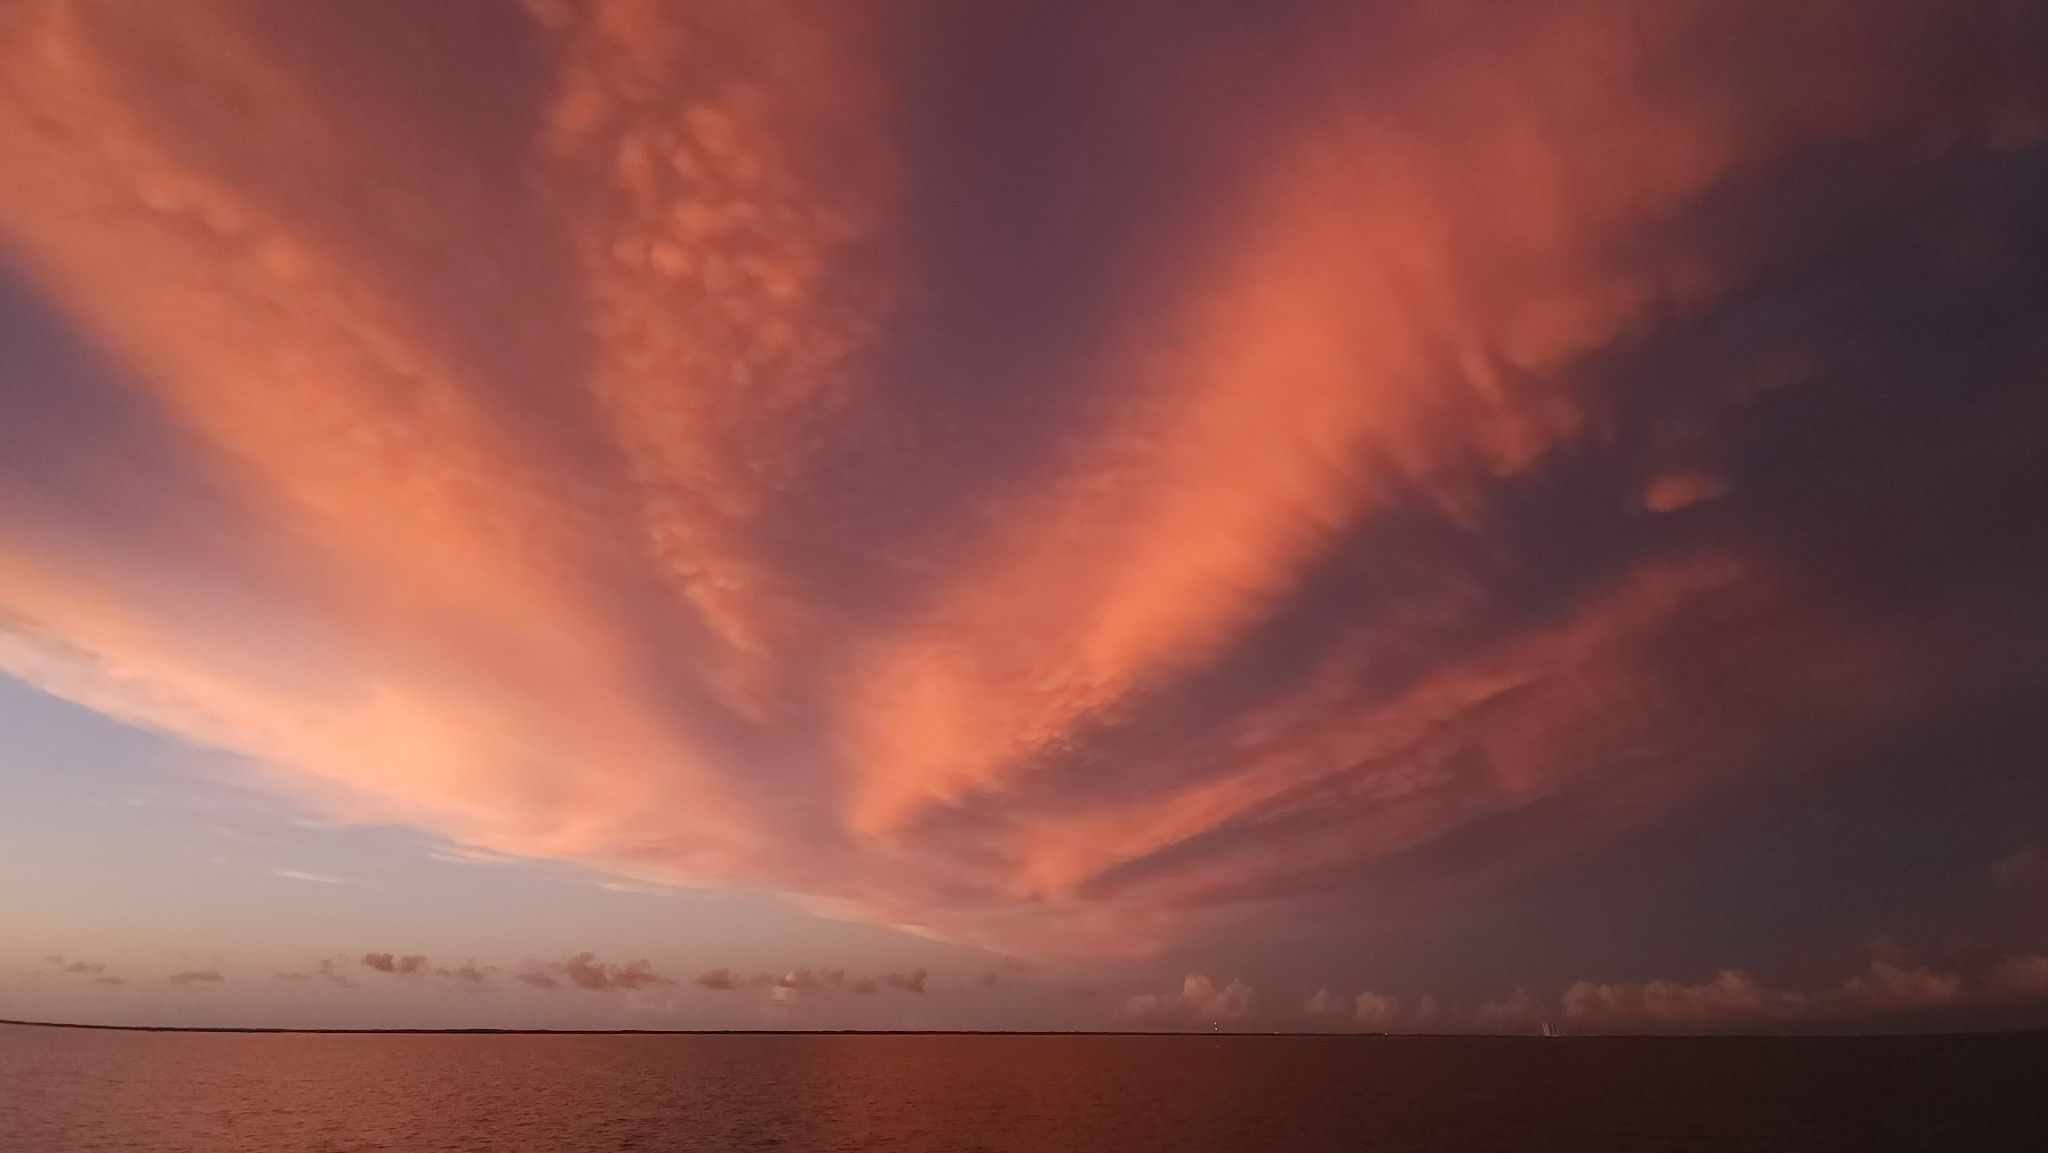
(1408, 516)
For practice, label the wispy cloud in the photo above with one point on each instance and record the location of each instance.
(656, 474)
(315, 878)
(637, 888)
(196, 977)
(807, 980)
(466, 855)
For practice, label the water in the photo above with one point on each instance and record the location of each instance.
(64, 1091)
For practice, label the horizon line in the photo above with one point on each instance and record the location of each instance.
(2017, 1031)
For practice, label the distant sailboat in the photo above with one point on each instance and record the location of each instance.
(1550, 1032)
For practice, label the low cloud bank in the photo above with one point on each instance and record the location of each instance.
(1200, 1000)
(329, 970)
(585, 971)
(801, 980)
(418, 965)
(1888, 986)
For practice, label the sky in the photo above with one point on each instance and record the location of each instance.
(1410, 517)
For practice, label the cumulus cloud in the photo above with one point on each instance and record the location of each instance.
(97, 970)
(1323, 1003)
(1730, 995)
(585, 971)
(1201, 1001)
(1888, 985)
(196, 977)
(328, 970)
(786, 986)
(467, 973)
(664, 417)
(1387, 1013)
(909, 980)
(416, 965)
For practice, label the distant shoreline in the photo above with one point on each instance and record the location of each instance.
(475, 1032)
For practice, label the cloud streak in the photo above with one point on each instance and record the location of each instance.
(798, 981)
(601, 485)
(313, 878)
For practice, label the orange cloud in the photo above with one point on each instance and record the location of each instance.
(584, 498)
(1669, 492)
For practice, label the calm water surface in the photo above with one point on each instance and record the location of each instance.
(80, 1091)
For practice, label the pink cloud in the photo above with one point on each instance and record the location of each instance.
(909, 980)
(585, 971)
(196, 977)
(1730, 995)
(417, 965)
(787, 986)
(1889, 985)
(1200, 1002)
(328, 970)
(1383, 1012)
(1669, 492)
(618, 612)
